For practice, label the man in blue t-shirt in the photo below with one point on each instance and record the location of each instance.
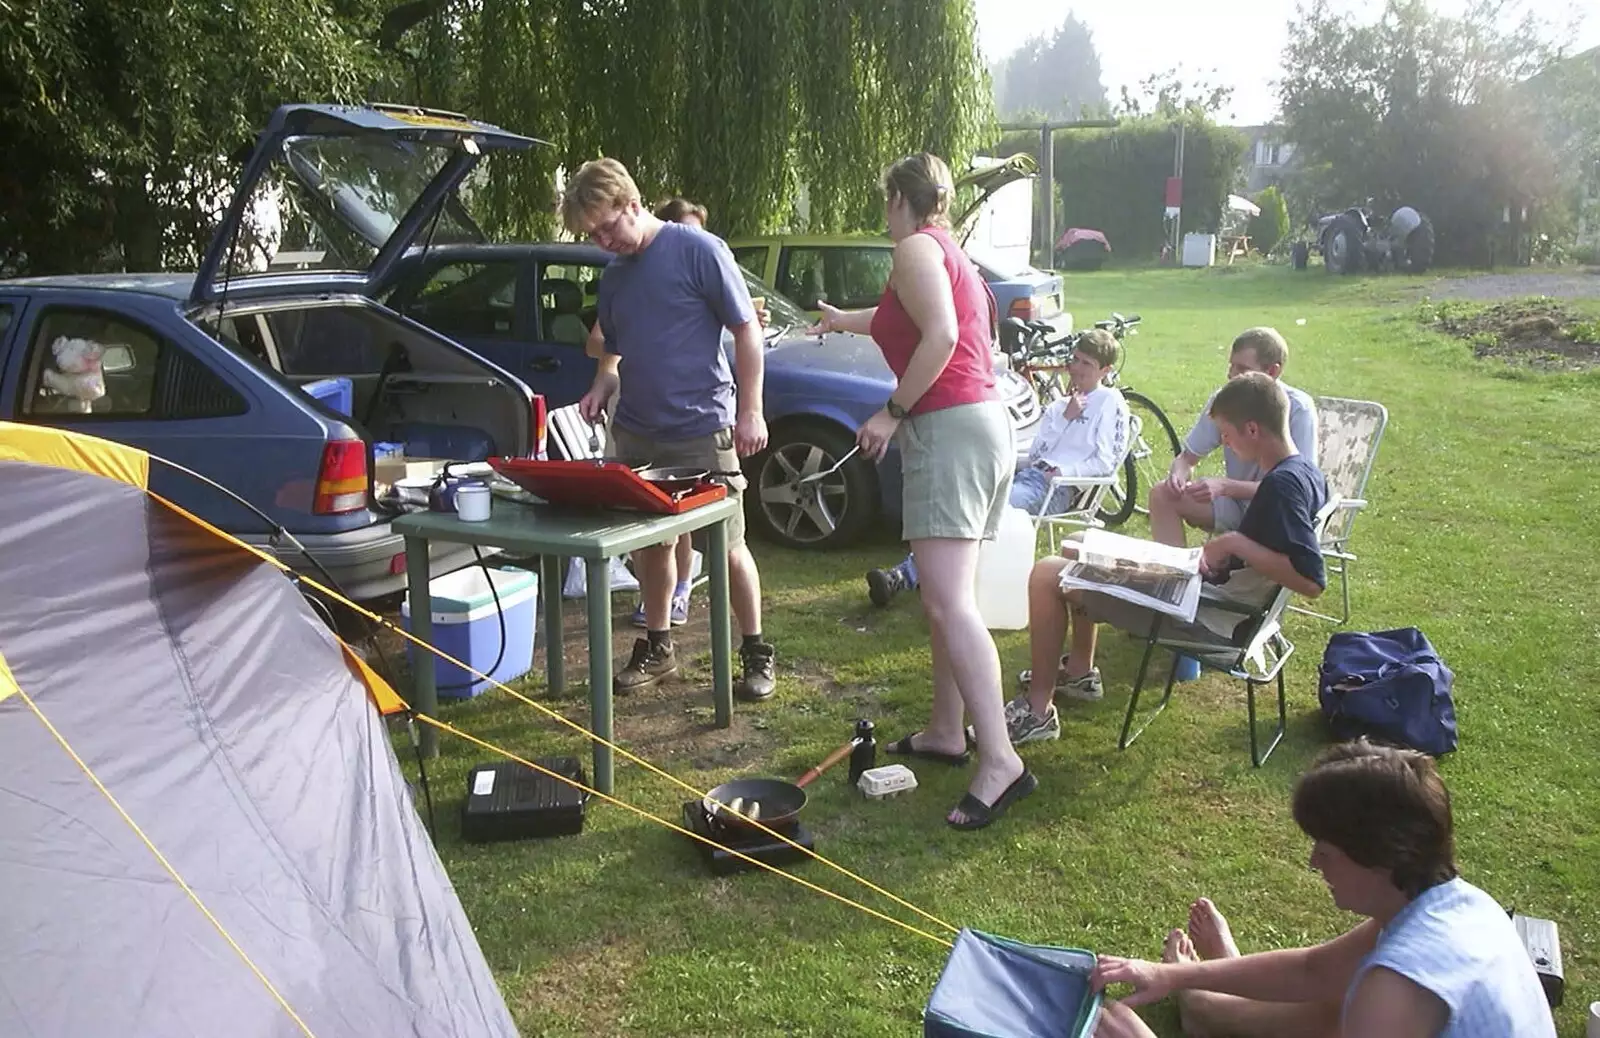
(1275, 546)
(663, 304)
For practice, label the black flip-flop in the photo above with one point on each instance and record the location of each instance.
(980, 814)
(905, 748)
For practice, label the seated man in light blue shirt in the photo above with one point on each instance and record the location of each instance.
(1217, 503)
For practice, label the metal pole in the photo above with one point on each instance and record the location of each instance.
(1177, 171)
(1048, 176)
(1047, 166)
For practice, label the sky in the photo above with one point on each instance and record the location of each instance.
(1241, 49)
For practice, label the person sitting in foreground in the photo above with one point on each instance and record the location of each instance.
(1435, 956)
(1274, 546)
(1085, 433)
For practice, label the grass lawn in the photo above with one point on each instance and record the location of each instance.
(1482, 532)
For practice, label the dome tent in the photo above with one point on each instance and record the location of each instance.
(203, 827)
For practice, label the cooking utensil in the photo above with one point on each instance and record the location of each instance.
(673, 479)
(805, 480)
(779, 801)
(640, 467)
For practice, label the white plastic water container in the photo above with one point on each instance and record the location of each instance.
(466, 626)
(1003, 567)
(1199, 250)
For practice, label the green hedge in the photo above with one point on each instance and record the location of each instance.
(1114, 180)
(1271, 225)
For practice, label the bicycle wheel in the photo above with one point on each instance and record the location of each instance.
(1155, 445)
(1120, 501)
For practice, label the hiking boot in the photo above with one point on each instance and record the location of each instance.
(648, 665)
(1024, 726)
(757, 681)
(884, 584)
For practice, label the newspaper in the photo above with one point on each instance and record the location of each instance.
(1146, 573)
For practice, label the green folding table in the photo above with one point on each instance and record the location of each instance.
(596, 536)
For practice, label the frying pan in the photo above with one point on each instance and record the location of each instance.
(780, 801)
(673, 479)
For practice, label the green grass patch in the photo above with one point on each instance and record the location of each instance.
(1481, 531)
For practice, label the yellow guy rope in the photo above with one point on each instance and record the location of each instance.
(648, 766)
(586, 733)
(162, 858)
(491, 747)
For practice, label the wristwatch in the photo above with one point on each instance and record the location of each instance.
(894, 409)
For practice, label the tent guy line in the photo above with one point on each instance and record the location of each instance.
(699, 794)
(491, 747)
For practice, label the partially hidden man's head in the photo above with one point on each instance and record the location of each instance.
(1380, 820)
(681, 210)
(602, 203)
(1260, 349)
(1252, 414)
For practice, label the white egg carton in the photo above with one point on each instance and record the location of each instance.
(887, 781)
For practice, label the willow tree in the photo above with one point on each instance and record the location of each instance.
(742, 106)
(124, 118)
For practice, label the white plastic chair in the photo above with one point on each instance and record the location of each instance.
(1083, 507)
(1257, 659)
(576, 439)
(1348, 434)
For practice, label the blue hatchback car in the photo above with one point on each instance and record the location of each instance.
(528, 309)
(211, 370)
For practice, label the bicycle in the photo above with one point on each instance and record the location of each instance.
(1043, 363)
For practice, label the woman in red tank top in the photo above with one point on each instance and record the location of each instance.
(957, 455)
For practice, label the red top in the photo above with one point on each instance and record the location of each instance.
(968, 377)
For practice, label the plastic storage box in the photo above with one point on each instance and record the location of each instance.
(336, 393)
(507, 801)
(466, 626)
(993, 987)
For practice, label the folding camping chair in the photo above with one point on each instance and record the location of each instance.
(1348, 433)
(1083, 507)
(576, 439)
(1255, 659)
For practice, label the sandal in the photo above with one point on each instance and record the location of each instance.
(905, 748)
(980, 814)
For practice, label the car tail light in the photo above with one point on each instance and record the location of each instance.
(1024, 308)
(342, 479)
(397, 564)
(541, 417)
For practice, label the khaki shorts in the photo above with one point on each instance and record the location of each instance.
(1227, 513)
(1137, 619)
(957, 464)
(713, 452)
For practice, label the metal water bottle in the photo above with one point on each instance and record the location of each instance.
(864, 755)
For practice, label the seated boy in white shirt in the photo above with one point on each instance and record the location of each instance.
(1085, 433)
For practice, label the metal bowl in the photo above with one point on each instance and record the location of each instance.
(674, 479)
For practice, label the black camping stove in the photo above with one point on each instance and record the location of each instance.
(752, 842)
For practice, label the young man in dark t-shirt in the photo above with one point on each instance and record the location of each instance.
(1275, 546)
(663, 304)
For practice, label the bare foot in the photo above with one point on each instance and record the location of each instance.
(923, 742)
(1178, 948)
(1209, 931)
(992, 780)
(1191, 1004)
